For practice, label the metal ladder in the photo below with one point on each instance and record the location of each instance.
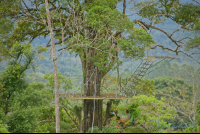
(135, 78)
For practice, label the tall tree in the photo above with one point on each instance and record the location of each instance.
(94, 30)
(100, 34)
(54, 68)
(186, 15)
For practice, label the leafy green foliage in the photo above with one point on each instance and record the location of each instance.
(6, 26)
(3, 128)
(105, 129)
(63, 82)
(41, 49)
(176, 87)
(37, 85)
(22, 121)
(186, 14)
(192, 129)
(193, 43)
(106, 21)
(184, 71)
(35, 77)
(146, 86)
(34, 98)
(182, 13)
(105, 32)
(95, 130)
(146, 110)
(50, 128)
(155, 105)
(148, 9)
(11, 79)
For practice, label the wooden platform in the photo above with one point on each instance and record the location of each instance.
(103, 96)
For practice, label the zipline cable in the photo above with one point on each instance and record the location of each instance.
(157, 67)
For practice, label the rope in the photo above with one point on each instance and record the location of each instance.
(90, 76)
(94, 101)
(87, 81)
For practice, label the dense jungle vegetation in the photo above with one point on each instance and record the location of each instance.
(99, 44)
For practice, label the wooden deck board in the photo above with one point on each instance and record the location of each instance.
(103, 96)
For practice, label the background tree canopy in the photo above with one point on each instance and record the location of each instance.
(99, 41)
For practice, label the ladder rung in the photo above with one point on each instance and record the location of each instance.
(144, 67)
(146, 64)
(135, 80)
(140, 72)
(139, 75)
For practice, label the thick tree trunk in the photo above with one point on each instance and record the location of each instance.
(54, 69)
(108, 115)
(88, 114)
(89, 104)
(94, 81)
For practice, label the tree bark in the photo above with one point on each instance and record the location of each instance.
(88, 114)
(94, 81)
(55, 69)
(124, 6)
(108, 108)
(89, 104)
(6, 105)
(80, 119)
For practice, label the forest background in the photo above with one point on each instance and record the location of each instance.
(171, 92)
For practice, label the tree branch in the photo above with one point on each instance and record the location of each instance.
(156, 16)
(143, 27)
(196, 2)
(175, 31)
(177, 51)
(124, 7)
(70, 116)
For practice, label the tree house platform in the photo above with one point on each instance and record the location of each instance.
(102, 96)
